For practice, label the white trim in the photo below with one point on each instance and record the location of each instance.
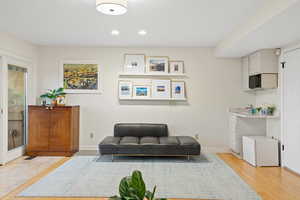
(88, 148)
(214, 149)
(2, 122)
(15, 153)
(68, 91)
(282, 138)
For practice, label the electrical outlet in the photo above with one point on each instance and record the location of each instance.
(91, 135)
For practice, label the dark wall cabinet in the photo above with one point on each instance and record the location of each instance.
(53, 131)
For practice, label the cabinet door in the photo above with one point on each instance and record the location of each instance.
(254, 64)
(249, 150)
(39, 129)
(59, 139)
(245, 73)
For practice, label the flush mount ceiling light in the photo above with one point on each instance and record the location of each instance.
(142, 32)
(115, 32)
(112, 7)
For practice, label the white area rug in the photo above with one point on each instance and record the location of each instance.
(205, 177)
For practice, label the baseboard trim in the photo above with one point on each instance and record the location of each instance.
(209, 149)
(88, 148)
(205, 149)
(292, 171)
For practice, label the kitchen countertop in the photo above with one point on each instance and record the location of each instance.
(240, 112)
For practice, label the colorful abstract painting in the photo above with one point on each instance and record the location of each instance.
(81, 77)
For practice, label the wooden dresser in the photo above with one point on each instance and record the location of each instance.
(53, 131)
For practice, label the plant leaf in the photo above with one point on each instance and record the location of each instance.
(138, 184)
(59, 90)
(153, 193)
(124, 187)
(148, 195)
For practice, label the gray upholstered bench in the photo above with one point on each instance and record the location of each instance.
(136, 139)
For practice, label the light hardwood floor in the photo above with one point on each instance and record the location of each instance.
(271, 183)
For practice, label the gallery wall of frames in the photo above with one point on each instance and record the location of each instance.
(152, 78)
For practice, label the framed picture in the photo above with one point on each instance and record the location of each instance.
(141, 91)
(178, 90)
(125, 89)
(157, 64)
(134, 63)
(80, 76)
(176, 67)
(161, 89)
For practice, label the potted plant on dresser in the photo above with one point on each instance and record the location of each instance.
(57, 96)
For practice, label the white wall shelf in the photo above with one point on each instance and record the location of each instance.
(151, 99)
(124, 74)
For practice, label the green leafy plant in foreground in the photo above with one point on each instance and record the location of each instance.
(133, 188)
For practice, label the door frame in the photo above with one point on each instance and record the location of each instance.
(5, 155)
(282, 99)
(2, 122)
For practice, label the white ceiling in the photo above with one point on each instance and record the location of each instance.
(168, 22)
(277, 29)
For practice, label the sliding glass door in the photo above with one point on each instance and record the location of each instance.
(13, 109)
(16, 103)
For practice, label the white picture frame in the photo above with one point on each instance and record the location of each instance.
(134, 63)
(141, 92)
(125, 89)
(161, 89)
(91, 84)
(176, 67)
(178, 90)
(157, 65)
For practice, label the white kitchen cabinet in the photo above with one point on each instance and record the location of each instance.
(263, 62)
(269, 81)
(260, 151)
(245, 73)
(243, 125)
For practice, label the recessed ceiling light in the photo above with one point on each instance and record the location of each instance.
(115, 32)
(142, 32)
(112, 7)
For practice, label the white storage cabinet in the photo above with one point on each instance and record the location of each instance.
(263, 62)
(260, 151)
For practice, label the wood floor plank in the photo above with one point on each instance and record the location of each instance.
(271, 183)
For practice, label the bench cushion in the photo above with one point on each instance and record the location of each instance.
(140, 130)
(172, 145)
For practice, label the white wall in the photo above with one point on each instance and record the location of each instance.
(23, 51)
(213, 86)
(271, 97)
